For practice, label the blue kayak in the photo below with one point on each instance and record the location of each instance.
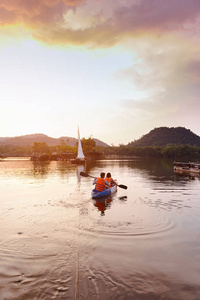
(107, 192)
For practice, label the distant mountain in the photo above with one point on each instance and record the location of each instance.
(29, 139)
(100, 143)
(164, 136)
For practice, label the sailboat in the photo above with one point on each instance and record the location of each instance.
(80, 159)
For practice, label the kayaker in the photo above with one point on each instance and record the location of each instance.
(109, 179)
(101, 183)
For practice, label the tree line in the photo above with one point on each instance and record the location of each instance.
(43, 148)
(176, 151)
(170, 151)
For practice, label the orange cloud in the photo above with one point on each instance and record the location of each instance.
(34, 11)
(47, 20)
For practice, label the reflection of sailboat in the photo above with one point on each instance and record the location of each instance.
(80, 159)
(80, 168)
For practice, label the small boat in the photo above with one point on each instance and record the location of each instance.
(187, 168)
(106, 192)
(80, 159)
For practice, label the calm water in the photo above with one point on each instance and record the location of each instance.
(58, 243)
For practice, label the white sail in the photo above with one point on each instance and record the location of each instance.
(80, 154)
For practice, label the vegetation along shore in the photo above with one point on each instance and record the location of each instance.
(174, 142)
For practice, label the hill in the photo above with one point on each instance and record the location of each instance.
(28, 140)
(100, 143)
(164, 136)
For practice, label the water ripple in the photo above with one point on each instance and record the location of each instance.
(137, 227)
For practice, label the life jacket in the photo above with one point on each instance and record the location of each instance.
(100, 184)
(108, 179)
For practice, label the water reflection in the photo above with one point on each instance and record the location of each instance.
(103, 204)
(159, 169)
(123, 198)
(188, 177)
(40, 168)
(141, 243)
(80, 168)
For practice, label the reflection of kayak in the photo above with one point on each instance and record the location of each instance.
(96, 194)
(103, 203)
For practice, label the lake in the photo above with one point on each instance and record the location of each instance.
(58, 243)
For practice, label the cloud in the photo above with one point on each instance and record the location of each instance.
(102, 22)
(193, 70)
(159, 64)
(165, 77)
(158, 15)
(34, 12)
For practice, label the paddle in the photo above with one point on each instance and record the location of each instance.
(87, 175)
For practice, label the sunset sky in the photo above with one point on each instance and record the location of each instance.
(116, 68)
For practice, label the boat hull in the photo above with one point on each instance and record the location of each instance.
(187, 168)
(78, 161)
(104, 193)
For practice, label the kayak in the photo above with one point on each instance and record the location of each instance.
(107, 192)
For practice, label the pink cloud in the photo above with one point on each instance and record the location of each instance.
(47, 19)
(193, 69)
(158, 14)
